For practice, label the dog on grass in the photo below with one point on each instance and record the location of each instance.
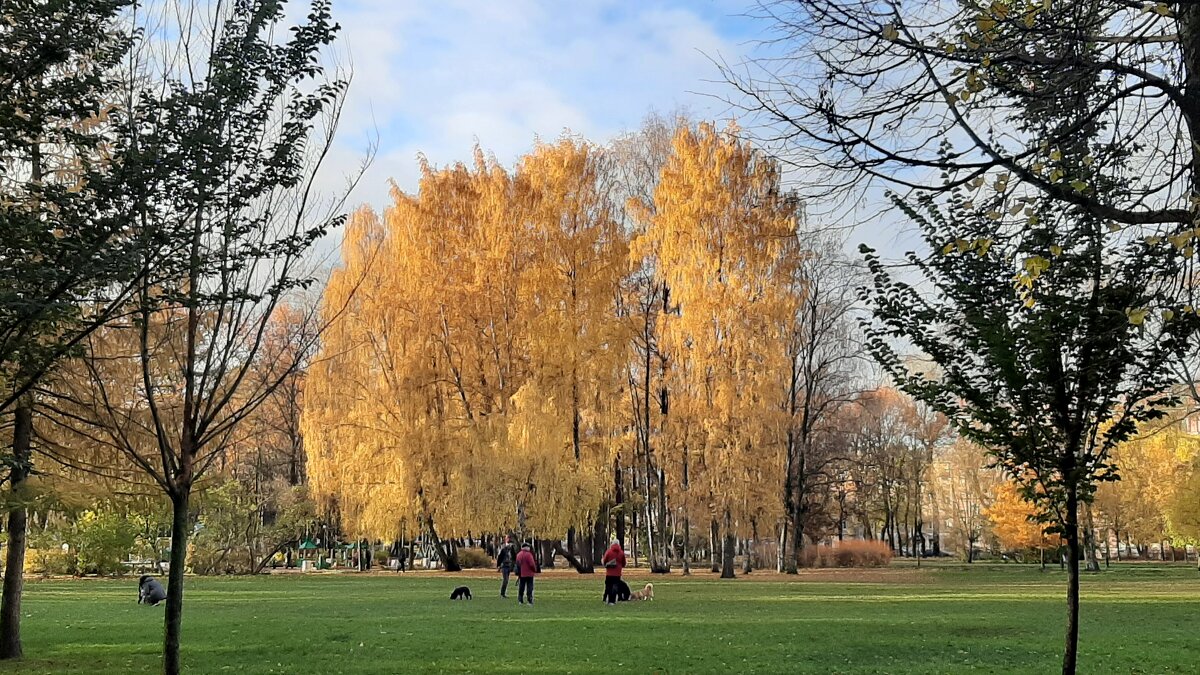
(646, 593)
(622, 590)
(150, 591)
(461, 593)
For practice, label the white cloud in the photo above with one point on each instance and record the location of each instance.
(434, 77)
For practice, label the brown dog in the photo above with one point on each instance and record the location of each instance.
(646, 593)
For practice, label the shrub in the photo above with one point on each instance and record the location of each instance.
(104, 540)
(474, 558)
(848, 553)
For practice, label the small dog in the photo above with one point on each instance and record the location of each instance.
(646, 593)
(622, 590)
(461, 593)
(150, 591)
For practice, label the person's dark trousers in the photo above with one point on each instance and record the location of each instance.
(525, 589)
(610, 588)
(505, 570)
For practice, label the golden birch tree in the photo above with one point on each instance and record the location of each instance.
(722, 230)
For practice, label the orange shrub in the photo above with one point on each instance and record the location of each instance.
(848, 553)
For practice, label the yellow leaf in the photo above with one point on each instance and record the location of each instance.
(1055, 250)
(1078, 185)
(982, 245)
(1167, 315)
(1055, 156)
(985, 24)
(1113, 227)
(890, 33)
(1136, 316)
(1056, 175)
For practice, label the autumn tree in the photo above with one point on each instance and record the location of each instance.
(722, 227)
(410, 398)
(638, 160)
(577, 347)
(824, 356)
(1152, 466)
(878, 426)
(1183, 514)
(1016, 523)
(963, 485)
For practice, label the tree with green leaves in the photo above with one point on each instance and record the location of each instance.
(66, 170)
(238, 115)
(1053, 333)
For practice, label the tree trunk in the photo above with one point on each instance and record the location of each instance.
(180, 529)
(714, 538)
(687, 540)
(1089, 541)
(444, 553)
(18, 521)
(599, 537)
(729, 549)
(581, 552)
(619, 497)
(547, 547)
(1072, 536)
(781, 541)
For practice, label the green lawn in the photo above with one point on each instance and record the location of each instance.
(1136, 619)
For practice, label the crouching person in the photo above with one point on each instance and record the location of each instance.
(150, 591)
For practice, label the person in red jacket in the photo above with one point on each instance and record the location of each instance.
(526, 568)
(614, 562)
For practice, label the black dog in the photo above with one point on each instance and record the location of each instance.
(622, 590)
(461, 593)
(150, 591)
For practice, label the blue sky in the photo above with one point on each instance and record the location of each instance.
(432, 77)
(435, 76)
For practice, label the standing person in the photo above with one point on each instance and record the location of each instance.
(526, 568)
(614, 563)
(506, 557)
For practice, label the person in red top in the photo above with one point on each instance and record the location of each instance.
(526, 568)
(614, 563)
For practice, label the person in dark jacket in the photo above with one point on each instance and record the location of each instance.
(506, 558)
(526, 568)
(150, 591)
(614, 563)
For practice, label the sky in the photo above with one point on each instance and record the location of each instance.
(435, 77)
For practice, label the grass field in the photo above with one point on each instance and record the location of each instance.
(1000, 619)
